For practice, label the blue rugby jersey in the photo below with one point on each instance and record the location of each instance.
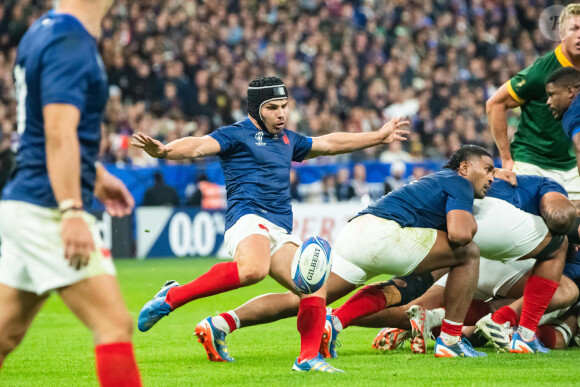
(571, 119)
(426, 202)
(257, 171)
(57, 62)
(527, 195)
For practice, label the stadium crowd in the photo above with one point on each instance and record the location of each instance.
(181, 67)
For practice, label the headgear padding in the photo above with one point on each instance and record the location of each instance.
(262, 90)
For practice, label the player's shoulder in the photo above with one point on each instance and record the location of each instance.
(235, 130)
(574, 109)
(56, 26)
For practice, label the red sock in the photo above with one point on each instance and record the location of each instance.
(451, 329)
(366, 301)
(477, 310)
(116, 365)
(537, 295)
(230, 320)
(547, 335)
(220, 278)
(311, 320)
(505, 314)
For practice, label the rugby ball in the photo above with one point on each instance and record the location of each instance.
(311, 265)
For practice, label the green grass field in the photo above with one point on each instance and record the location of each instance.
(58, 350)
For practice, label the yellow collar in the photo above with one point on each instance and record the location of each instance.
(561, 57)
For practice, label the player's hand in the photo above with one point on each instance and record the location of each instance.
(394, 130)
(116, 198)
(506, 175)
(507, 163)
(77, 241)
(153, 147)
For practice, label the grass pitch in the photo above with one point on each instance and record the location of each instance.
(58, 350)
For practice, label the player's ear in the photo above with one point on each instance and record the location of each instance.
(463, 168)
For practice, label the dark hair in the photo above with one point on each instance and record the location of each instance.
(464, 153)
(566, 76)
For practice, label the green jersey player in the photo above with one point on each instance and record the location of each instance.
(539, 147)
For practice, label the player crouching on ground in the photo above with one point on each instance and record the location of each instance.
(256, 156)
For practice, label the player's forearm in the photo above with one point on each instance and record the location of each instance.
(63, 156)
(185, 148)
(63, 162)
(499, 128)
(339, 143)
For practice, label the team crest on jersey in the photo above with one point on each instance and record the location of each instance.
(259, 136)
(285, 139)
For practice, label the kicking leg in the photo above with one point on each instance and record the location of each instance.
(251, 264)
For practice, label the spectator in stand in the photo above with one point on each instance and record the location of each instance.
(160, 194)
(351, 62)
(344, 190)
(329, 189)
(397, 176)
(207, 195)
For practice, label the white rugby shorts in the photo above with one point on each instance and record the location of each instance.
(570, 180)
(369, 245)
(32, 251)
(496, 278)
(253, 224)
(504, 232)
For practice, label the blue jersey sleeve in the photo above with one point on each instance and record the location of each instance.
(302, 146)
(226, 137)
(66, 70)
(571, 119)
(551, 185)
(459, 194)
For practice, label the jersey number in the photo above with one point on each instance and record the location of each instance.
(21, 91)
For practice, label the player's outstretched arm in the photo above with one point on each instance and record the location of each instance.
(496, 108)
(337, 143)
(184, 148)
(63, 162)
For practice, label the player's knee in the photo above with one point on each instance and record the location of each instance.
(468, 254)
(117, 330)
(567, 292)
(9, 341)
(254, 274)
(402, 290)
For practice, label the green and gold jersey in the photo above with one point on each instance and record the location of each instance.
(539, 139)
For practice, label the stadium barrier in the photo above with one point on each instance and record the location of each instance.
(186, 231)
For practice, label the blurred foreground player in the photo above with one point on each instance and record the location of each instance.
(256, 155)
(49, 243)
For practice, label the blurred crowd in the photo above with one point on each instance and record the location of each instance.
(181, 67)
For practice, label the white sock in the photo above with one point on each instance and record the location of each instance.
(527, 334)
(336, 323)
(220, 323)
(448, 339)
(236, 318)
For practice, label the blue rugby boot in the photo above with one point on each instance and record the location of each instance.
(213, 341)
(317, 364)
(155, 309)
